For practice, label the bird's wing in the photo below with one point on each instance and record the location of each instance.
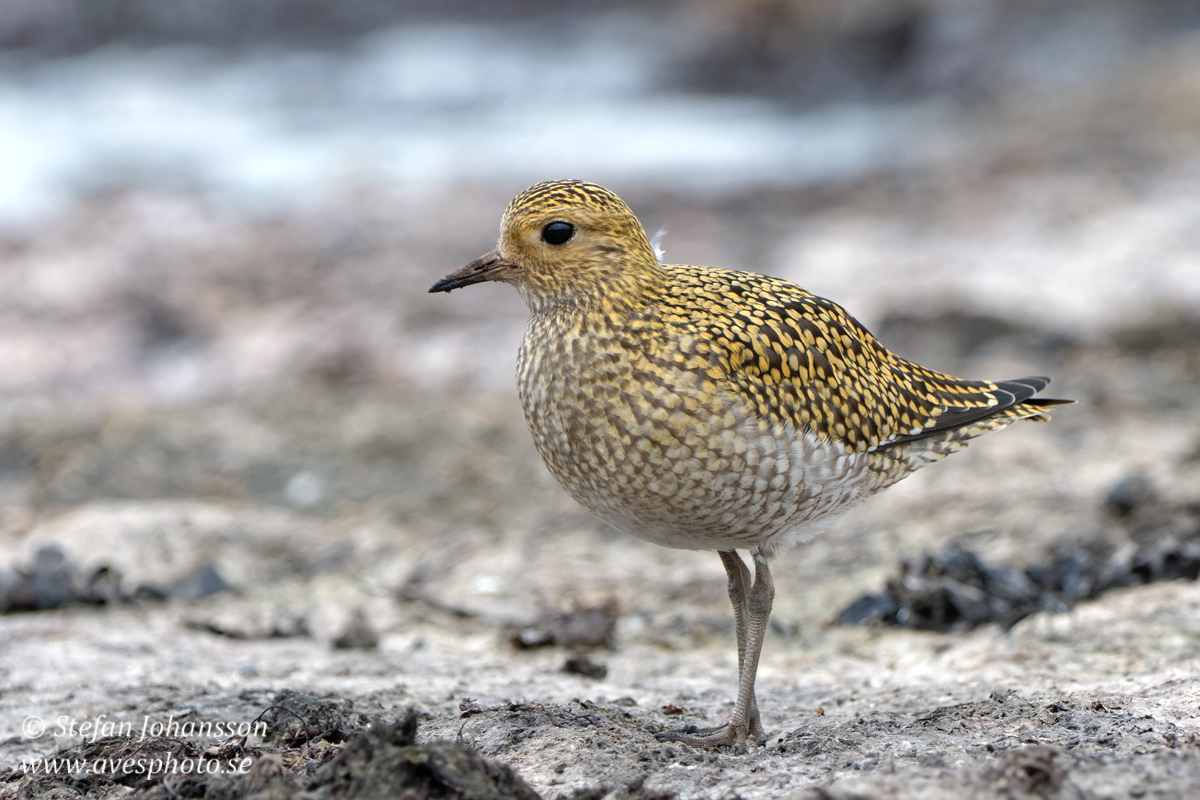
(804, 361)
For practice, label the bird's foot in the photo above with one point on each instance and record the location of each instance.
(727, 735)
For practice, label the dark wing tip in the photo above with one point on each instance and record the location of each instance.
(1007, 393)
(1023, 388)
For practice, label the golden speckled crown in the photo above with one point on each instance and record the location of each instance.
(554, 194)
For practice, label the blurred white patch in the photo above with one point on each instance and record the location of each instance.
(487, 584)
(656, 244)
(304, 490)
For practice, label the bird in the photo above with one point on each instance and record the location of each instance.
(708, 409)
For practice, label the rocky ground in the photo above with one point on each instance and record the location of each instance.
(251, 474)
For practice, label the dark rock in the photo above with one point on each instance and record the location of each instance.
(969, 602)
(357, 634)
(581, 629)
(582, 665)
(386, 761)
(50, 583)
(203, 581)
(281, 623)
(1007, 584)
(957, 590)
(1131, 494)
(1033, 771)
(296, 718)
(870, 608)
(53, 580)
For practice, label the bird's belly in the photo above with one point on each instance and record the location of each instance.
(686, 469)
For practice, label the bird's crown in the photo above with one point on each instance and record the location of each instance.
(552, 195)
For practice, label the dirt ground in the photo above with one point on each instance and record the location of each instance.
(293, 494)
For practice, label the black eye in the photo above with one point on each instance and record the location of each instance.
(557, 232)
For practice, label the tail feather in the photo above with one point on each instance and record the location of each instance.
(1015, 400)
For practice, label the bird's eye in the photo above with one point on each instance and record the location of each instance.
(557, 232)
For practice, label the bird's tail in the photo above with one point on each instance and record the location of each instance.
(1025, 405)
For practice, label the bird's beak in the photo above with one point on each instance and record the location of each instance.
(488, 267)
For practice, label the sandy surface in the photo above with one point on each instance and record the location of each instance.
(280, 400)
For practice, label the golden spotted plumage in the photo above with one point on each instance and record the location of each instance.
(703, 408)
(802, 360)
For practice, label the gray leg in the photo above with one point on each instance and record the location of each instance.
(751, 611)
(739, 585)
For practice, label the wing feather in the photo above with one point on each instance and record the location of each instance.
(801, 360)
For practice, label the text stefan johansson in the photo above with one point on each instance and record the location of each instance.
(101, 727)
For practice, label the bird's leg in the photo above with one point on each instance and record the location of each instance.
(751, 611)
(755, 613)
(739, 584)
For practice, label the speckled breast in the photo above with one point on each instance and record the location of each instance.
(636, 429)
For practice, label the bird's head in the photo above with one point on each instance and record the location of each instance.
(565, 242)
